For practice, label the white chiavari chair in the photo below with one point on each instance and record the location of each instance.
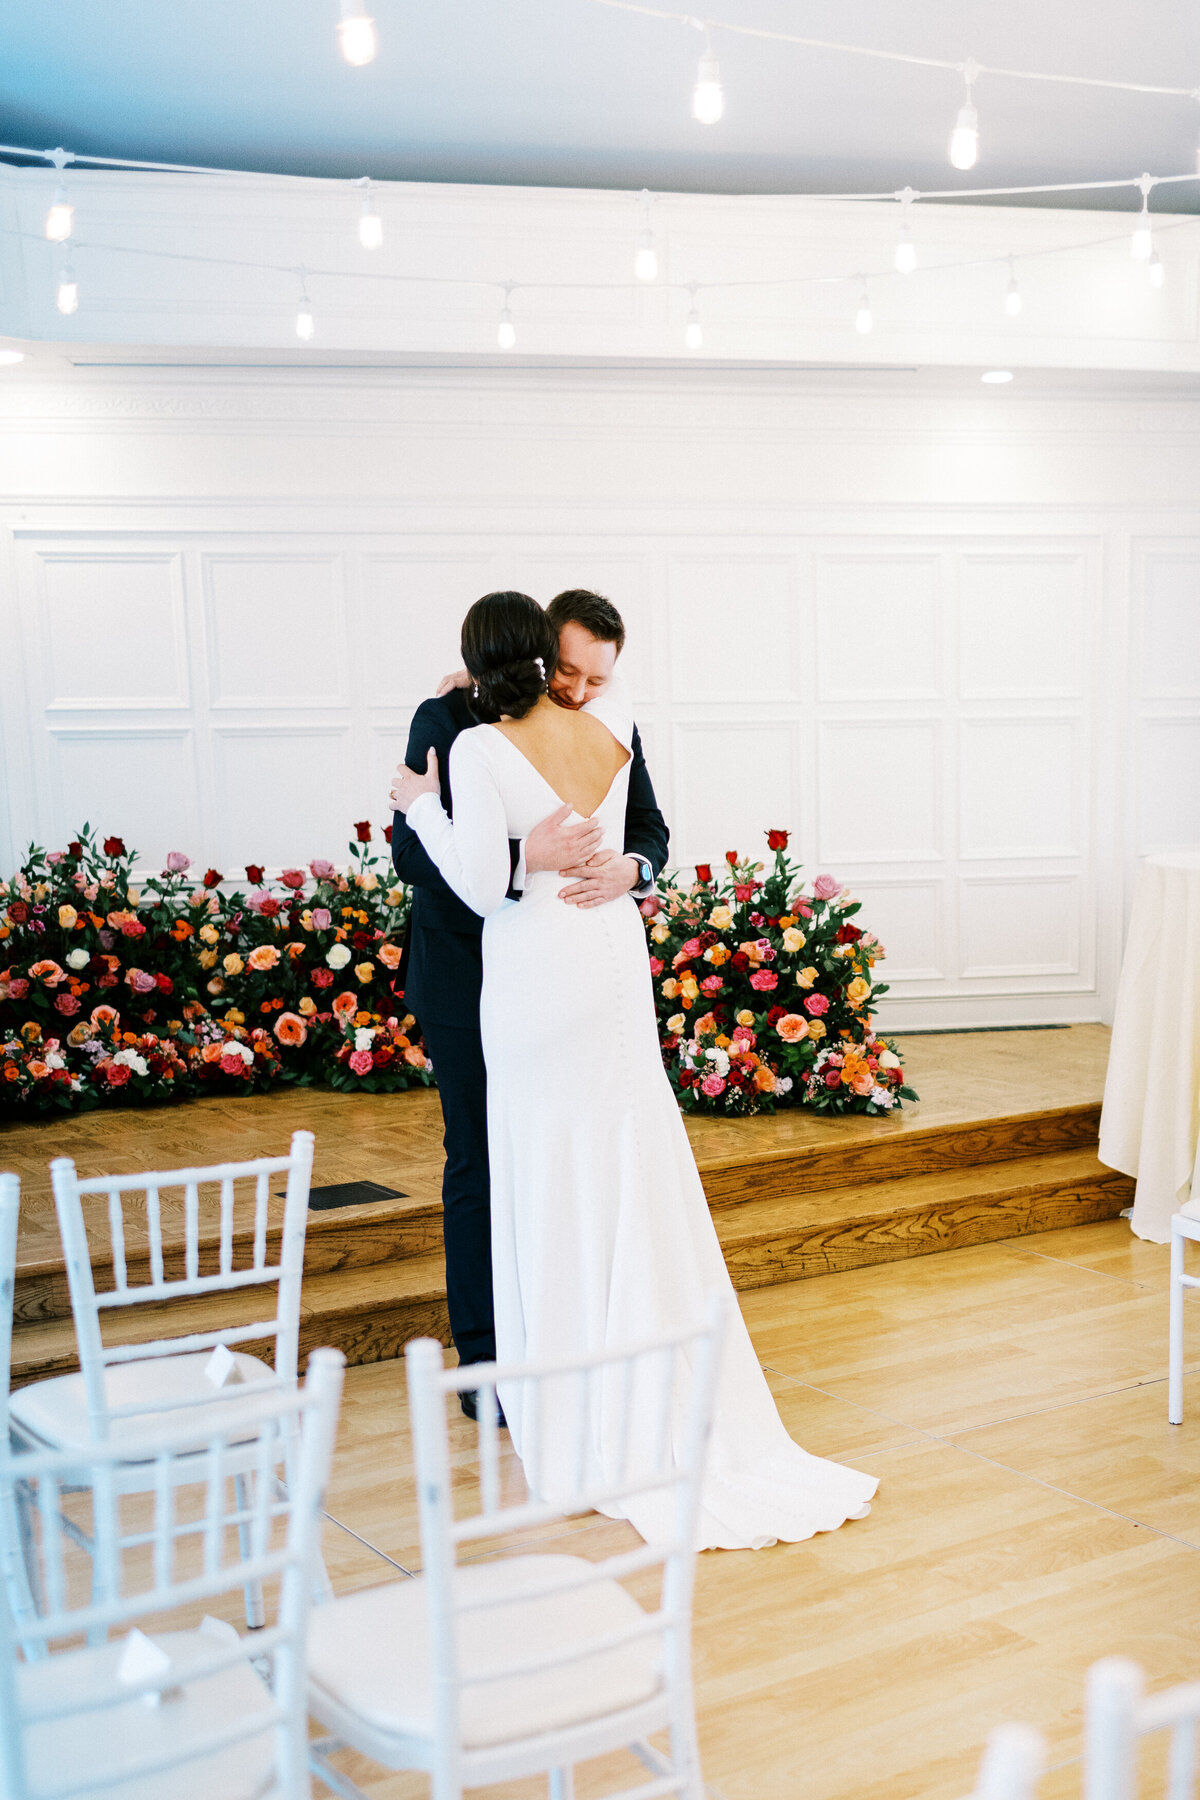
(180, 1708)
(1120, 1714)
(1012, 1764)
(180, 1254)
(489, 1669)
(14, 1548)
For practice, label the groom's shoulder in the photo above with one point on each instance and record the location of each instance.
(444, 717)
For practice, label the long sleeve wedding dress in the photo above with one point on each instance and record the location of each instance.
(601, 1234)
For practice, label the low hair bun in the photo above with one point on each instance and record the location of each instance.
(511, 689)
(510, 649)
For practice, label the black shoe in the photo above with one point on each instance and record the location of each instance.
(469, 1405)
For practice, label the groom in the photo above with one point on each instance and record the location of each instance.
(442, 969)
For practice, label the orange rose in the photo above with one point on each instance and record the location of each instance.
(47, 972)
(263, 956)
(415, 1057)
(345, 1003)
(290, 1028)
(857, 991)
(764, 1081)
(11, 1072)
(103, 1015)
(792, 1028)
(389, 955)
(364, 971)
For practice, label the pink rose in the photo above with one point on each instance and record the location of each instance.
(832, 1078)
(712, 984)
(362, 1062)
(132, 928)
(140, 981)
(257, 899)
(320, 870)
(690, 949)
(18, 987)
(104, 981)
(177, 862)
(55, 856)
(322, 977)
(649, 906)
(744, 891)
(232, 1064)
(764, 981)
(712, 1085)
(745, 1037)
(656, 965)
(816, 1004)
(293, 878)
(322, 918)
(826, 887)
(67, 1004)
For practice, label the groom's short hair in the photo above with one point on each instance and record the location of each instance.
(579, 606)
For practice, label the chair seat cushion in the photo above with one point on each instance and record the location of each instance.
(369, 1652)
(92, 1748)
(54, 1412)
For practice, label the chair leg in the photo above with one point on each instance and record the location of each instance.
(562, 1784)
(1175, 1353)
(256, 1612)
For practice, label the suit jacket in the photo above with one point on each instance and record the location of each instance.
(442, 968)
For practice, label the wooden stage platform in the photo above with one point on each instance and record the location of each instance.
(1002, 1144)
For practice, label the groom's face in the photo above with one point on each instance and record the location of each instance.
(585, 666)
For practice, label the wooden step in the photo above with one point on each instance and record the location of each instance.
(791, 1237)
(370, 1313)
(846, 1159)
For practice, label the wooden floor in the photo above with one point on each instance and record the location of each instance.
(1035, 1512)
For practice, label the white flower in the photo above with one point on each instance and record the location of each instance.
(55, 1062)
(133, 1061)
(338, 956)
(887, 1060)
(719, 1059)
(880, 1096)
(363, 1037)
(783, 1084)
(77, 959)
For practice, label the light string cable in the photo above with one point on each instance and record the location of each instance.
(707, 25)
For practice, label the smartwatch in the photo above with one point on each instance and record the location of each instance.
(645, 880)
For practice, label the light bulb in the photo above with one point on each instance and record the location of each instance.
(906, 252)
(506, 331)
(67, 298)
(645, 263)
(1012, 298)
(1141, 245)
(708, 99)
(356, 34)
(306, 325)
(60, 216)
(964, 139)
(8, 357)
(1156, 272)
(693, 336)
(370, 227)
(863, 321)
(996, 377)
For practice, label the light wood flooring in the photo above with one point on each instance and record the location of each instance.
(1035, 1512)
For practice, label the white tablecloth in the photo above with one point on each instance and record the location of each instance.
(1151, 1118)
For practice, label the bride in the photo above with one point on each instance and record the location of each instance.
(601, 1234)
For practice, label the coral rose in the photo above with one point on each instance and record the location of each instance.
(293, 878)
(389, 955)
(345, 1003)
(415, 1057)
(290, 1028)
(764, 1080)
(104, 1015)
(263, 956)
(792, 1028)
(362, 1062)
(47, 972)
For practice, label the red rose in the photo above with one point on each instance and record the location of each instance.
(744, 891)
(213, 878)
(776, 1013)
(18, 912)
(832, 1078)
(387, 833)
(114, 846)
(164, 984)
(777, 840)
(739, 960)
(269, 908)
(687, 1078)
(254, 873)
(731, 857)
(362, 940)
(322, 977)
(703, 873)
(848, 934)
(74, 849)
(763, 981)
(363, 831)
(117, 1074)
(656, 965)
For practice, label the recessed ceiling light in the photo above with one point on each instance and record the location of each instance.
(994, 377)
(11, 356)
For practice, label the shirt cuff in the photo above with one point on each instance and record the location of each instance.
(519, 875)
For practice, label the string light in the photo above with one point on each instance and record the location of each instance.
(370, 225)
(67, 297)
(1141, 245)
(906, 251)
(506, 331)
(964, 139)
(356, 34)
(1157, 271)
(8, 357)
(60, 214)
(996, 377)
(708, 96)
(1012, 294)
(863, 321)
(693, 335)
(645, 263)
(306, 325)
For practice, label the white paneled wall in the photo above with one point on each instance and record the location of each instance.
(974, 700)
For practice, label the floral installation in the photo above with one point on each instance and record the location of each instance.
(378, 1055)
(245, 977)
(764, 989)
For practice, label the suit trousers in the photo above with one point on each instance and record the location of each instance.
(457, 1056)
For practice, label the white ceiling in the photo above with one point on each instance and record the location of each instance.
(570, 93)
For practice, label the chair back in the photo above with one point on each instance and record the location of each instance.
(1013, 1761)
(10, 1202)
(73, 1721)
(1119, 1714)
(671, 1381)
(215, 1239)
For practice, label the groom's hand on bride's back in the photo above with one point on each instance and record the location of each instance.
(564, 849)
(448, 683)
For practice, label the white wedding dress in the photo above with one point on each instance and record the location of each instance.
(601, 1234)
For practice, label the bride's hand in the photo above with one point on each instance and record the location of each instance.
(408, 786)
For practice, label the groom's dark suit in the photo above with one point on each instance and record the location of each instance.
(442, 972)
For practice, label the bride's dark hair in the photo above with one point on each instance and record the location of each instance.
(510, 649)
